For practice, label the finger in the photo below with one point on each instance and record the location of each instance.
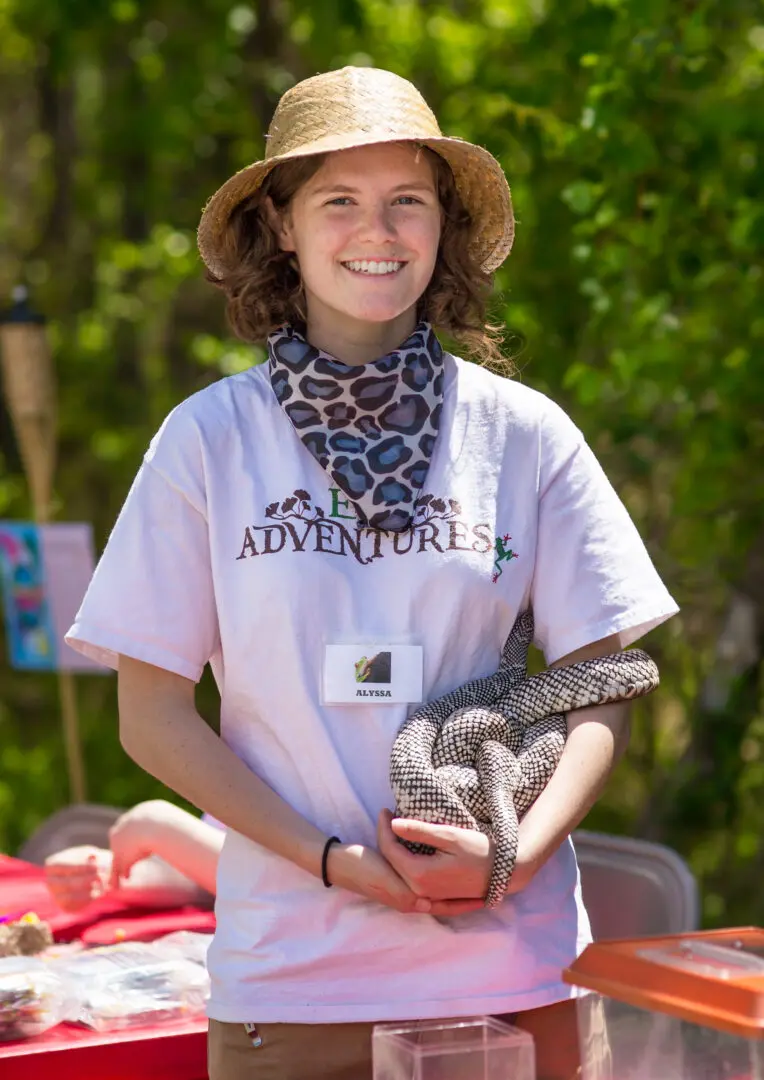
(98, 887)
(383, 821)
(126, 860)
(66, 883)
(389, 845)
(386, 838)
(423, 832)
(393, 889)
(448, 908)
(120, 871)
(69, 903)
(383, 825)
(67, 869)
(419, 906)
(57, 872)
(70, 900)
(389, 835)
(401, 899)
(405, 863)
(58, 894)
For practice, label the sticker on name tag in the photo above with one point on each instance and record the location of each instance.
(372, 674)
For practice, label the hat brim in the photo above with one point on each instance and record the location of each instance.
(479, 178)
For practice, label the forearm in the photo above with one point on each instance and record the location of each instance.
(155, 883)
(169, 739)
(182, 844)
(597, 739)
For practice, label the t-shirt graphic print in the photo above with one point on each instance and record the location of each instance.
(297, 523)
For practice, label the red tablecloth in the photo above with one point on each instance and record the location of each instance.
(169, 1052)
(166, 1051)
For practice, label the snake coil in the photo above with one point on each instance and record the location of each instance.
(480, 756)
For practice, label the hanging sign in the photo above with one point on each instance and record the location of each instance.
(44, 572)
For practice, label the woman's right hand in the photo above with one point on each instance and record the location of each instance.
(364, 871)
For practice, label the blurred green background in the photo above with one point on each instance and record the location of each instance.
(631, 132)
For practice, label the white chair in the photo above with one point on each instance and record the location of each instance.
(81, 823)
(635, 888)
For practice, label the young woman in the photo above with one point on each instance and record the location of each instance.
(363, 492)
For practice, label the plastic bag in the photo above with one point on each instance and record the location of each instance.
(33, 998)
(168, 990)
(186, 944)
(125, 986)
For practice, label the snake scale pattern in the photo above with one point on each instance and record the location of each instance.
(480, 756)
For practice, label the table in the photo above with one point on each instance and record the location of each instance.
(170, 1052)
(167, 1051)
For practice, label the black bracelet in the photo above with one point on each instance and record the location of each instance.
(324, 858)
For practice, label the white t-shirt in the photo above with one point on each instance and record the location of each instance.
(233, 548)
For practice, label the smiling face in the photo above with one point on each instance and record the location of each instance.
(365, 229)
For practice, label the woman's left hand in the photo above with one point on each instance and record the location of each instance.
(460, 869)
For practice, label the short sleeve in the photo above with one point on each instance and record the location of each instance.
(593, 576)
(151, 596)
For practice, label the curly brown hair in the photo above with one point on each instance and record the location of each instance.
(264, 290)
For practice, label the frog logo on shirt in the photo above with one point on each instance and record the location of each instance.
(503, 554)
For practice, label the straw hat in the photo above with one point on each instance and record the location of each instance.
(357, 107)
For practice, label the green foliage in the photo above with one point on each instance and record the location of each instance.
(631, 133)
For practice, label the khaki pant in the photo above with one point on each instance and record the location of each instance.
(343, 1051)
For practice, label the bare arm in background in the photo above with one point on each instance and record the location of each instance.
(158, 856)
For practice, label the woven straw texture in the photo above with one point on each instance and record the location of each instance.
(357, 107)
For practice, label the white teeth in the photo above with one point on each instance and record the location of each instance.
(363, 266)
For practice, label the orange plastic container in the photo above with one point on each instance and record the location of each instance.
(684, 1007)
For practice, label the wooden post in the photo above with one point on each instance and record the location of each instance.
(30, 393)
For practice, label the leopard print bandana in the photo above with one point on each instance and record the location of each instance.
(372, 427)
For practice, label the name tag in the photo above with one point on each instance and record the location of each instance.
(372, 674)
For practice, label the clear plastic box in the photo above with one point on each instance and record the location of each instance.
(479, 1048)
(684, 1007)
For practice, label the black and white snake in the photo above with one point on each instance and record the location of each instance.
(481, 755)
